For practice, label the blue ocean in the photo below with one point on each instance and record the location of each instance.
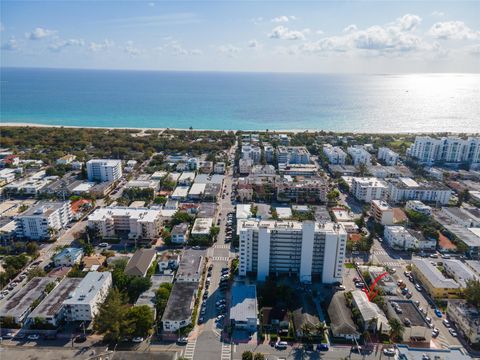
(244, 101)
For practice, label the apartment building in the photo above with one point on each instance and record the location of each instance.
(307, 250)
(388, 156)
(403, 189)
(179, 309)
(42, 220)
(463, 217)
(466, 318)
(305, 191)
(293, 155)
(434, 282)
(102, 170)
(219, 167)
(269, 152)
(406, 239)
(251, 152)
(382, 212)
(245, 166)
(84, 303)
(137, 223)
(446, 149)
(335, 154)
(418, 206)
(368, 188)
(359, 155)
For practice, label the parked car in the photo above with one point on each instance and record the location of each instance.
(322, 347)
(81, 338)
(33, 337)
(452, 332)
(446, 323)
(389, 352)
(281, 345)
(182, 341)
(438, 313)
(435, 332)
(137, 339)
(103, 244)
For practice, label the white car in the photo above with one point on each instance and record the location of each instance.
(281, 345)
(452, 332)
(103, 244)
(389, 352)
(137, 339)
(33, 337)
(446, 323)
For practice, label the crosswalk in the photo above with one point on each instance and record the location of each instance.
(222, 246)
(226, 352)
(220, 258)
(190, 349)
(444, 343)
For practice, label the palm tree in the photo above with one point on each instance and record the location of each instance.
(396, 329)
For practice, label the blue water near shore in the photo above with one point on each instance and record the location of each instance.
(208, 100)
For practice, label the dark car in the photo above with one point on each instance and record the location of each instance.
(81, 338)
(322, 347)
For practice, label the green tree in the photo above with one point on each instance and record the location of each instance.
(140, 319)
(472, 292)
(137, 285)
(396, 329)
(181, 217)
(35, 272)
(247, 355)
(32, 248)
(111, 317)
(259, 356)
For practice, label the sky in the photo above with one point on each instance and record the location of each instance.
(273, 36)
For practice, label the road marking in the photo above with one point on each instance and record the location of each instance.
(226, 352)
(190, 349)
(220, 258)
(224, 246)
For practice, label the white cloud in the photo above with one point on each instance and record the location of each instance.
(10, 45)
(40, 33)
(177, 49)
(62, 44)
(473, 49)
(254, 44)
(437, 13)
(130, 49)
(228, 49)
(319, 32)
(283, 33)
(408, 22)
(457, 30)
(105, 45)
(350, 28)
(196, 52)
(283, 19)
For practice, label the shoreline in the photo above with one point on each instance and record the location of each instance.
(143, 129)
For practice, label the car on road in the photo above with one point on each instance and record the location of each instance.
(389, 352)
(438, 313)
(103, 245)
(138, 339)
(33, 337)
(80, 338)
(435, 332)
(356, 349)
(418, 287)
(452, 332)
(446, 323)
(7, 335)
(281, 345)
(182, 341)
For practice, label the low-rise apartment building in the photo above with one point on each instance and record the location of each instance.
(434, 282)
(179, 309)
(136, 223)
(335, 154)
(140, 262)
(43, 220)
(359, 155)
(368, 188)
(466, 319)
(312, 190)
(388, 156)
(307, 250)
(68, 257)
(418, 206)
(243, 308)
(179, 234)
(84, 303)
(403, 189)
(293, 155)
(382, 212)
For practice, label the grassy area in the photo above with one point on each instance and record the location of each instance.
(349, 265)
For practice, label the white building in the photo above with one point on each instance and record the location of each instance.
(219, 167)
(68, 257)
(388, 156)
(305, 249)
(180, 193)
(245, 166)
(103, 170)
(404, 189)
(179, 234)
(368, 188)
(84, 303)
(335, 154)
(143, 184)
(466, 319)
(251, 152)
(41, 221)
(243, 309)
(400, 238)
(268, 151)
(382, 212)
(139, 223)
(179, 309)
(462, 217)
(7, 176)
(446, 149)
(293, 155)
(359, 155)
(418, 206)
